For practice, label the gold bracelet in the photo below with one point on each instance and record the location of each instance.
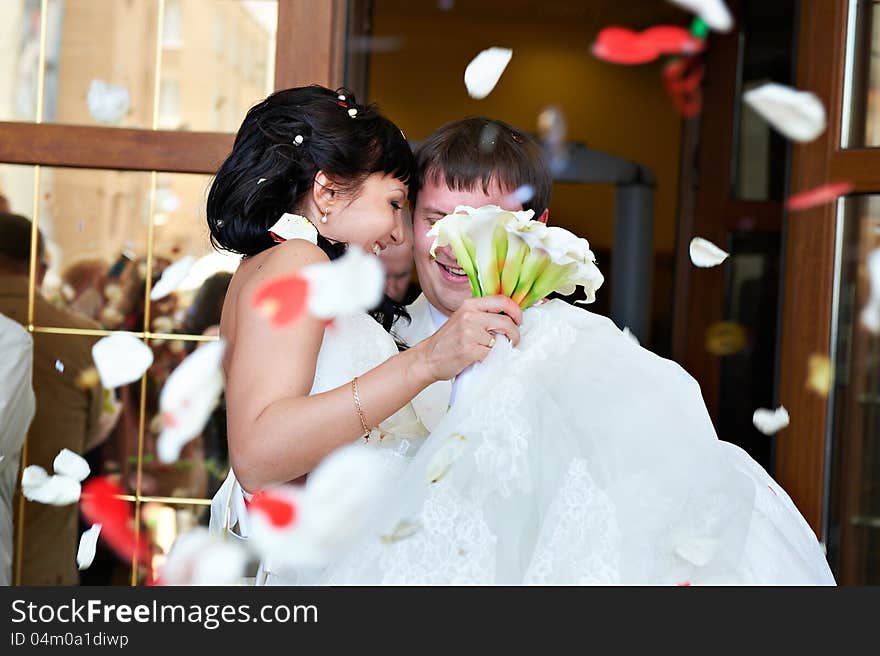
(360, 411)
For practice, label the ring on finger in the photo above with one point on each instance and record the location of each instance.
(491, 341)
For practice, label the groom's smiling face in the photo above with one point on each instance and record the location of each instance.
(442, 280)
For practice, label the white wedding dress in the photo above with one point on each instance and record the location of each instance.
(576, 458)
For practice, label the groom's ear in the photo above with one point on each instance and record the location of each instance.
(323, 191)
(544, 216)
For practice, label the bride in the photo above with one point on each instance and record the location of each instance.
(579, 456)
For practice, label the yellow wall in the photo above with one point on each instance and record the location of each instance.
(622, 110)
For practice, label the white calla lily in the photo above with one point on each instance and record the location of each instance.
(188, 397)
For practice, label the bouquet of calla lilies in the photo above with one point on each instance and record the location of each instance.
(508, 253)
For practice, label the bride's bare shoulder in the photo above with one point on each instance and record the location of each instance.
(284, 259)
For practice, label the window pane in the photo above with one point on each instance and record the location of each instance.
(862, 129)
(96, 226)
(766, 51)
(217, 62)
(854, 539)
(19, 59)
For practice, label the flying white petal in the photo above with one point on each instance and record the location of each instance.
(770, 422)
(353, 283)
(188, 397)
(172, 276)
(57, 490)
(713, 12)
(441, 462)
(121, 358)
(706, 254)
(799, 115)
(199, 557)
(72, 465)
(484, 71)
(108, 103)
(88, 541)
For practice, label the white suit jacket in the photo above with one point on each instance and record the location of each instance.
(16, 411)
(432, 403)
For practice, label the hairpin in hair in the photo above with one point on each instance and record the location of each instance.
(516, 137)
(298, 140)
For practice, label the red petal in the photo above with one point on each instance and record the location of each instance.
(682, 78)
(818, 196)
(619, 45)
(672, 40)
(280, 511)
(283, 299)
(100, 504)
(686, 584)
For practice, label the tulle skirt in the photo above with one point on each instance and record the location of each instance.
(578, 458)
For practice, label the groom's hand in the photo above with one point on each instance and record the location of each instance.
(469, 334)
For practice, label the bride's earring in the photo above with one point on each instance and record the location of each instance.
(324, 215)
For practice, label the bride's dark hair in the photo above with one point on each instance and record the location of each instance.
(281, 145)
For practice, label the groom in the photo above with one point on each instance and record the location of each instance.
(475, 162)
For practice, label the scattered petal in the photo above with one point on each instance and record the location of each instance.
(870, 316)
(519, 196)
(87, 379)
(261, 181)
(88, 542)
(682, 78)
(348, 285)
(120, 359)
(353, 112)
(282, 299)
(73, 465)
(713, 12)
(101, 504)
(620, 45)
(484, 71)
(725, 338)
(799, 115)
(445, 457)
(307, 526)
(818, 196)
(770, 422)
(294, 226)
(402, 530)
(171, 278)
(199, 557)
(188, 398)
(59, 366)
(706, 254)
(820, 374)
(57, 490)
(108, 103)
(298, 140)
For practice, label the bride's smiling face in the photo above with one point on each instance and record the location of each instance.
(371, 216)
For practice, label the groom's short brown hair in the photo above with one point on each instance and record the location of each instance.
(478, 151)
